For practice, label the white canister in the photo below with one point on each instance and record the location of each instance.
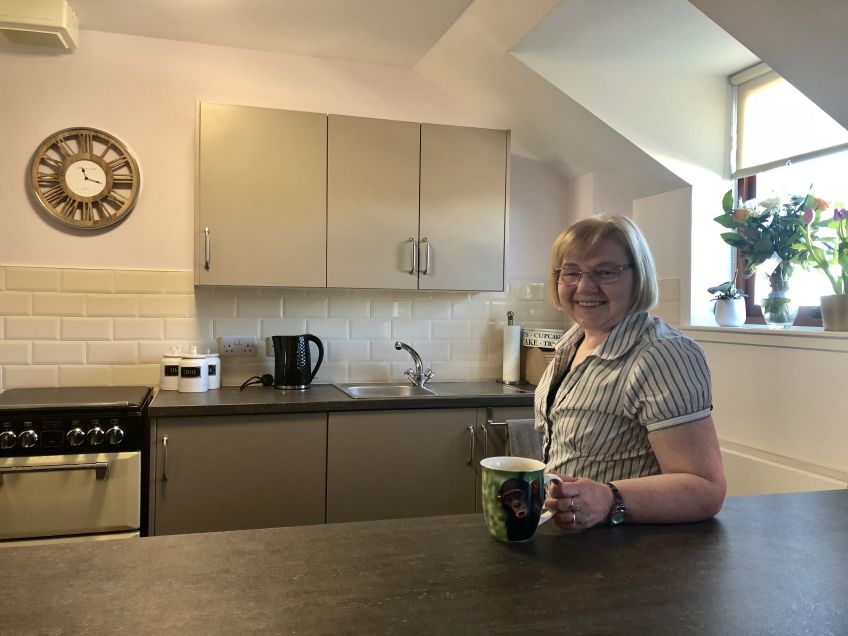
(170, 372)
(194, 373)
(213, 365)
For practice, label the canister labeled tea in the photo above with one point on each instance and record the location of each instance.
(170, 370)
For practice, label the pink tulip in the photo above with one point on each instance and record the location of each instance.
(808, 216)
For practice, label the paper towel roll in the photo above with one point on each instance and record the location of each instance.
(512, 353)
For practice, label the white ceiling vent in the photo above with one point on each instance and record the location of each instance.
(49, 23)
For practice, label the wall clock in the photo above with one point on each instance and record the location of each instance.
(85, 178)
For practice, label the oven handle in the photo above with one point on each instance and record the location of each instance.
(101, 469)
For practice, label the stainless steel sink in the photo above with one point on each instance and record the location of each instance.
(384, 390)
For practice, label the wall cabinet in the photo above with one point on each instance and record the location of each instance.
(405, 463)
(238, 472)
(296, 199)
(261, 197)
(415, 207)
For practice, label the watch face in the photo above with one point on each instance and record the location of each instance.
(85, 178)
(617, 517)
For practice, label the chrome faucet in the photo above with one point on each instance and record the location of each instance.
(419, 375)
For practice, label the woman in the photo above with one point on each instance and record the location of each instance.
(624, 407)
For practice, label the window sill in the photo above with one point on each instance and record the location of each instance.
(812, 338)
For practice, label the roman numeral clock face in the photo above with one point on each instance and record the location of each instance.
(85, 178)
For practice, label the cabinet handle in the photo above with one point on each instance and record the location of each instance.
(208, 247)
(471, 449)
(426, 271)
(414, 247)
(165, 462)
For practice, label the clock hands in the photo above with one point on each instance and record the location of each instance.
(87, 178)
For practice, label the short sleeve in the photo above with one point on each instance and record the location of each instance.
(670, 384)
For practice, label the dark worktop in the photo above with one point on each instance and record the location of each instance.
(773, 564)
(325, 397)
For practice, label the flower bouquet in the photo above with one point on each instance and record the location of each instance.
(826, 241)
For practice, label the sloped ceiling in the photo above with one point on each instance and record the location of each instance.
(805, 42)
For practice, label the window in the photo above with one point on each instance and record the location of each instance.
(790, 146)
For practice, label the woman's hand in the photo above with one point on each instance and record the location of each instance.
(579, 503)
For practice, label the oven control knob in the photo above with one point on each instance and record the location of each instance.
(95, 436)
(7, 440)
(76, 437)
(29, 439)
(114, 436)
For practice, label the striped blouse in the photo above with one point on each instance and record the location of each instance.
(645, 377)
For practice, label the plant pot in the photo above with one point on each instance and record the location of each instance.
(834, 310)
(730, 312)
(779, 309)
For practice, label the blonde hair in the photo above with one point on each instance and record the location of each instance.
(581, 237)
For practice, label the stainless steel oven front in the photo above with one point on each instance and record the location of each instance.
(71, 461)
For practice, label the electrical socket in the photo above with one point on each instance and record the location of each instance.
(237, 346)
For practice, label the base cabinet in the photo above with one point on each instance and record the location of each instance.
(404, 463)
(238, 472)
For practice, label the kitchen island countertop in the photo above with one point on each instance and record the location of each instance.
(229, 400)
(772, 564)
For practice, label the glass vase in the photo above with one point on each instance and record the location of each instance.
(779, 309)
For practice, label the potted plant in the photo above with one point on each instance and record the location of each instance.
(729, 306)
(826, 240)
(762, 232)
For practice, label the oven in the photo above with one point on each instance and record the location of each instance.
(71, 463)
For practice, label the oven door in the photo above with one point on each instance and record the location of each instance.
(68, 495)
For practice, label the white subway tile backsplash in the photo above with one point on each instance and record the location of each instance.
(36, 376)
(347, 350)
(53, 304)
(329, 327)
(410, 329)
(354, 306)
(89, 375)
(111, 305)
(433, 309)
(162, 305)
(139, 328)
(139, 282)
(85, 329)
(91, 327)
(58, 352)
(88, 280)
(32, 279)
(31, 328)
(15, 303)
(305, 307)
(370, 329)
(112, 352)
(390, 308)
(15, 352)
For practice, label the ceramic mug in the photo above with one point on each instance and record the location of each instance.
(513, 492)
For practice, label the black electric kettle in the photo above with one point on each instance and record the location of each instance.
(292, 364)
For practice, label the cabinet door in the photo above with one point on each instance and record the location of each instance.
(463, 207)
(372, 202)
(262, 196)
(239, 472)
(396, 464)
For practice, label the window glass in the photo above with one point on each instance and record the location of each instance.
(826, 178)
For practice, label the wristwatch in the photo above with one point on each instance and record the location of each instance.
(617, 516)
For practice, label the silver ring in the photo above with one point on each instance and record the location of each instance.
(571, 506)
(574, 519)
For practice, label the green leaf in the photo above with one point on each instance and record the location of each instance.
(733, 239)
(727, 202)
(763, 244)
(726, 220)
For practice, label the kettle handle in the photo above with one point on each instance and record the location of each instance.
(320, 346)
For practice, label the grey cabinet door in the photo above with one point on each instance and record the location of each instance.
(372, 202)
(239, 472)
(396, 464)
(464, 177)
(261, 203)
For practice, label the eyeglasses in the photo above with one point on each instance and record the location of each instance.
(600, 276)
